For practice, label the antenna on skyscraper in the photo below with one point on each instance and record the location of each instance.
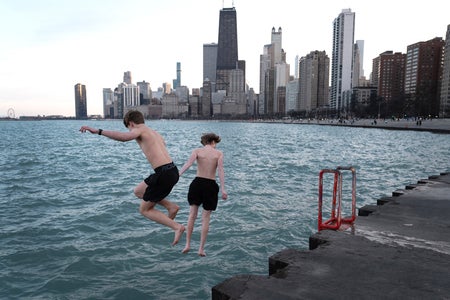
(223, 4)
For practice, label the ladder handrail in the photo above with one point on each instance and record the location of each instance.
(336, 219)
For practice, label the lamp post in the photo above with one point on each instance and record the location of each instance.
(379, 106)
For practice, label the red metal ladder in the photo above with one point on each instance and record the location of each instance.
(336, 220)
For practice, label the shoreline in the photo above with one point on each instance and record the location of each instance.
(430, 125)
(440, 126)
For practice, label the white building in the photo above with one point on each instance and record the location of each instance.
(292, 95)
(108, 103)
(131, 95)
(342, 59)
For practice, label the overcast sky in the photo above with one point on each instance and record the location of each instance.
(48, 46)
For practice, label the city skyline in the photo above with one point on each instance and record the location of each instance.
(50, 47)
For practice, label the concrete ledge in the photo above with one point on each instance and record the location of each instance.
(385, 200)
(400, 250)
(367, 210)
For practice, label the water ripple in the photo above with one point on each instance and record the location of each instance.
(70, 222)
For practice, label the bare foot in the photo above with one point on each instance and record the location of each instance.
(201, 253)
(178, 234)
(173, 211)
(186, 249)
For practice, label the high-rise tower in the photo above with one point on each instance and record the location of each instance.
(177, 81)
(422, 77)
(210, 63)
(313, 83)
(360, 44)
(80, 101)
(230, 72)
(342, 60)
(391, 77)
(108, 103)
(444, 110)
(274, 75)
(227, 47)
(227, 52)
(127, 77)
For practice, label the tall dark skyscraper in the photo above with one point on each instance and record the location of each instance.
(80, 101)
(210, 62)
(177, 82)
(227, 52)
(227, 48)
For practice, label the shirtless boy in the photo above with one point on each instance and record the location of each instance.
(154, 189)
(204, 189)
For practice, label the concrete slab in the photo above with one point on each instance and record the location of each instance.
(399, 250)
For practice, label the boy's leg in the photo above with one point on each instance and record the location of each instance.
(206, 216)
(148, 210)
(139, 190)
(172, 208)
(190, 227)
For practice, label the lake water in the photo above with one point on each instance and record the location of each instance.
(70, 226)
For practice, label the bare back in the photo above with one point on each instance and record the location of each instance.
(207, 162)
(153, 146)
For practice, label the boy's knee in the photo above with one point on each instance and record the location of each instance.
(138, 193)
(141, 211)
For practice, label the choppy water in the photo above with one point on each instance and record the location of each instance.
(70, 227)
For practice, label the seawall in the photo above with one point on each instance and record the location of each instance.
(396, 249)
(431, 125)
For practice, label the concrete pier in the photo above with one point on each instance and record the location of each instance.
(441, 126)
(397, 249)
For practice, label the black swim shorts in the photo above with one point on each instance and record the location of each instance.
(204, 191)
(160, 183)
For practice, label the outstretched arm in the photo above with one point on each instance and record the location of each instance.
(222, 177)
(189, 163)
(115, 135)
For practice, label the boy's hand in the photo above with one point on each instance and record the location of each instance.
(87, 128)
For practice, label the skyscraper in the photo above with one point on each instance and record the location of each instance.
(131, 96)
(391, 75)
(274, 75)
(342, 60)
(210, 63)
(358, 60)
(422, 77)
(227, 51)
(205, 100)
(313, 83)
(108, 103)
(177, 81)
(145, 92)
(444, 110)
(227, 47)
(127, 77)
(230, 72)
(80, 101)
(360, 44)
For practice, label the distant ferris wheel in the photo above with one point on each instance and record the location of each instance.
(11, 113)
